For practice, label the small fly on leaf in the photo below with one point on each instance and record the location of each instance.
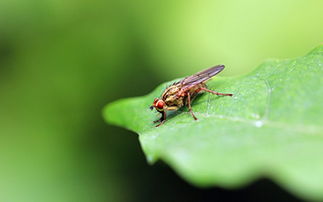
(182, 93)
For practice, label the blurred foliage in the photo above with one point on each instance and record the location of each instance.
(270, 127)
(61, 61)
(185, 36)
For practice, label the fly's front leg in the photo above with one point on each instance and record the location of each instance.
(213, 92)
(189, 105)
(162, 119)
(172, 108)
(158, 120)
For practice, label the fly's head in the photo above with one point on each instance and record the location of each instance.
(158, 104)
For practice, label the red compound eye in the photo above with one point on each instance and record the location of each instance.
(160, 104)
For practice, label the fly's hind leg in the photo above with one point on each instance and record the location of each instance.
(213, 92)
(189, 105)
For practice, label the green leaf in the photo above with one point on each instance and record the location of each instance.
(271, 127)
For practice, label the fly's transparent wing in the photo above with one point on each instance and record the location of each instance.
(201, 76)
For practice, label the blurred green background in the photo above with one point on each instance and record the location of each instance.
(62, 61)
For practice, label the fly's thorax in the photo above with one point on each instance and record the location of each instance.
(170, 96)
(171, 90)
(170, 93)
(174, 101)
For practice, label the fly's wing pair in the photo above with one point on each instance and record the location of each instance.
(200, 77)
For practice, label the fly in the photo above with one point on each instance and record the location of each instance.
(182, 93)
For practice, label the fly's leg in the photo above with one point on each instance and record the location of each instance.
(213, 92)
(172, 108)
(161, 120)
(189, 105)
(161, 123)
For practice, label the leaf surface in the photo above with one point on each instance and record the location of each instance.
(271, 127)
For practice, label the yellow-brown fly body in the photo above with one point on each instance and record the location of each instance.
(182, 93)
